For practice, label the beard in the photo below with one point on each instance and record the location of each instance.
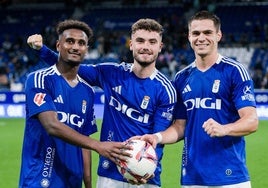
(73, 63)
(142, 62)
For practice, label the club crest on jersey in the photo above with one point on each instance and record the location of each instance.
(39, 99)
(145, 102)
(84, 106)
(216, 86)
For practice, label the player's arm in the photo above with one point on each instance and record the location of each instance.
(174, 133)
(247, 124)
(47, 55)
(55, 128)
(87, 160)
(50, 57)
(171, 135)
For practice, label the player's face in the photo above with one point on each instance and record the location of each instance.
(204, 37)
(145, 46)
(72, 46)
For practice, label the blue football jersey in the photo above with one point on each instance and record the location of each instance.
(217, 93)
(48, 161)
(133, 106)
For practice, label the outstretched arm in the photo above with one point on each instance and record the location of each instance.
(54, 127)
(47, 55)
(171, 135)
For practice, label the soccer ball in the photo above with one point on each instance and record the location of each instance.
(142, 162)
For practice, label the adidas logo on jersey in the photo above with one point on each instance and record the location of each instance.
(59, 99)
(187, 89)
(117, 89)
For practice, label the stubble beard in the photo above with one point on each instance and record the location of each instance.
(73, 63)
(143, 63)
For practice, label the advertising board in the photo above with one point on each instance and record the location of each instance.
(12, 104)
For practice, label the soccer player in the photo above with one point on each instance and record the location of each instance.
(215, 110)
(60, 117)
(138, 98)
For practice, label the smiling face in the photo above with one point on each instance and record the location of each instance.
(204, 37)
(72, 46)
(145, 46)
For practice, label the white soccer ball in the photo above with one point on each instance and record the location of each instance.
(142, 162)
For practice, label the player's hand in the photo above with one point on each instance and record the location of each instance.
(142, 180)
(114, 151)
(35, 41)
(214, 129)
(151, 138)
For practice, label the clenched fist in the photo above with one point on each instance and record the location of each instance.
(35, 41)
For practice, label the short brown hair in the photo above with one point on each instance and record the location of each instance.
(148, 25)
(203, 15)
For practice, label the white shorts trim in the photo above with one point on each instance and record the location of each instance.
(103, 182)
(239, 185)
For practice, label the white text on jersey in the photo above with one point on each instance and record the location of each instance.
(130, 112)
(72, 119)
(205, 103)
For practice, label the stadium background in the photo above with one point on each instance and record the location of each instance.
(245, 38)
(244, 26)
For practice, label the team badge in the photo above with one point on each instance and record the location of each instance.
(45, 183)
(39, 99)
(84, 106)
(145, 102)
(216, 86)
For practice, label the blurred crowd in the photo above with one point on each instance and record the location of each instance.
(17, 59)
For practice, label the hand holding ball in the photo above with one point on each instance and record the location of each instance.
(143, 161)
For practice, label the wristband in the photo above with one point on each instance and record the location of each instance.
(159, 137)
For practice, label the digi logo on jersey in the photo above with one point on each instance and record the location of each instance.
(130, 112)
(72, 119)
(205, 103)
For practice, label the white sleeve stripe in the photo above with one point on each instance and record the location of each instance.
(169, 88)
(39, 77)
(242, 70)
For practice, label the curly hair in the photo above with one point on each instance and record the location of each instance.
(75, 24)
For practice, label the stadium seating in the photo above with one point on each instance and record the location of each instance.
(243, 27)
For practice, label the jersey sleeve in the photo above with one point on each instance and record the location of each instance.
(180, 109)
(91, 126)
(98, 75)
(243, 92)
(164, 112)
(48, 56)
(90, 73)
(37, 99)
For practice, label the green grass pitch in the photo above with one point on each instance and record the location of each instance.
(11, 135)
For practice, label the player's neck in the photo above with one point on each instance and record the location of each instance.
(143, 72)
(69, 74)
(205, 62)
(71, 79)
